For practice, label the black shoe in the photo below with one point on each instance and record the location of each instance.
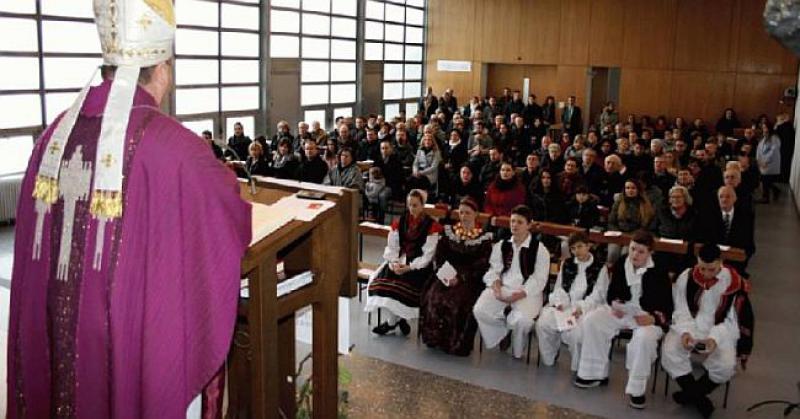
(637, 402)
(505, 343)
(705, 386)
(705, 407)
(682, 398)
(383, 328)
(583, 383)
(405, 329)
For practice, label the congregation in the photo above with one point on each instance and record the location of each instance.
(502, 157)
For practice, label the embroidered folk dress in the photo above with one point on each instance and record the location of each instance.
(446, 318)
(411, 241)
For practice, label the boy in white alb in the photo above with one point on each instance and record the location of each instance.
(581, 286)
(517, 275)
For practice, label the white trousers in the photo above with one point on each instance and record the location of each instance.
(599, 328)
(550, 338)
(494, 325)
(720, 364)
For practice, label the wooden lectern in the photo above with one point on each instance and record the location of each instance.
(261, 367)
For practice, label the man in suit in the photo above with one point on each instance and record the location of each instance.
(571, 118)
(732, 225)
(591, 172)
(392, 168)
(514, 106)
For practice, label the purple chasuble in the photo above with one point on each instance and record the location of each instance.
(141, 336)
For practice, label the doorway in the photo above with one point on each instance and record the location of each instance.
(604, 87)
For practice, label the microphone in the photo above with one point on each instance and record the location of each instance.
(250, 179)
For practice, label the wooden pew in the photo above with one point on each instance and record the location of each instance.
(728, 253)
(661, 245)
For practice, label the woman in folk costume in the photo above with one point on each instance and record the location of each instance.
(581, 287)
(462, 256)
(397, 284)
(121, 307)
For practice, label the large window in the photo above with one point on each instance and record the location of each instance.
(217, 47)
(323, 34)
(49, 49)
(394, 32)
(38, 40)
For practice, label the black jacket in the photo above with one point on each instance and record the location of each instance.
(592, 178)
(669, 227)
(741, 232)
(656, 296)
(584, 215)
(393, 172)
(313, 170)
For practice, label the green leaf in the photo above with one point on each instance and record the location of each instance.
(345, 377)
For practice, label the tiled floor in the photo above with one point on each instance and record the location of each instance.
(773, 370)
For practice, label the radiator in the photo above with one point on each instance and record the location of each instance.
(9, 195)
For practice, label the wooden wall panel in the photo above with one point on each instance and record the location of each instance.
(606, 29)
(448, 23)
(544, 80)
(760, 93)
(501, 76)
(465, 85)
(644, 91)
(574, 42)
(715, 89)
(649, 34)
(759, 52)
(499, 37)
(680, 57)
(571, 81)
(703, 40)
(539, 31)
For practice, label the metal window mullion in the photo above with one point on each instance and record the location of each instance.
(40, 45)
(424, 72)
(264, 66)
(361, 7)
(219, 63)
(226, 29)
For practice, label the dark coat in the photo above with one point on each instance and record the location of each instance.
(656, 296)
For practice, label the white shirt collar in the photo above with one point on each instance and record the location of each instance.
(526, 243)
(728, 212)
(588, 262)
(633, 276)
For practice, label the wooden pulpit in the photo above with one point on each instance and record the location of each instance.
(261, 365)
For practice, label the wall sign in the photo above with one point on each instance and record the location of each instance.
(457, 66)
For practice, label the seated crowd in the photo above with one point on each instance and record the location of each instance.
(501, 157)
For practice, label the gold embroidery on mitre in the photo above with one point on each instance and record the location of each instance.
(45, 189)
(164, 9)
(106, 204)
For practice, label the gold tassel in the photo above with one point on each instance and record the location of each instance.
(106, 204)
(45, 189)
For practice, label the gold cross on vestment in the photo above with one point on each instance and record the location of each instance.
(144, 22)
(107, 160)
(55, 147)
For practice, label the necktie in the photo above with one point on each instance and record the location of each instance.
(726, 218)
